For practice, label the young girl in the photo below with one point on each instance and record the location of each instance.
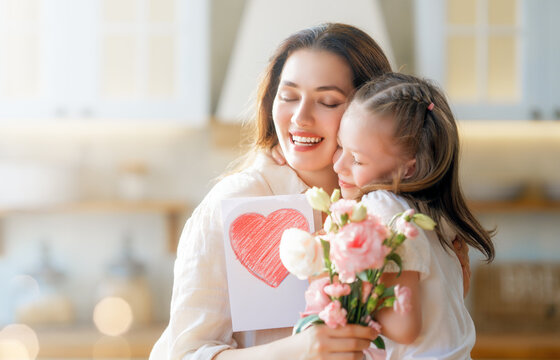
(398, 144)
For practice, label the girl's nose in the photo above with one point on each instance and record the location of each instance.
(338, 161)
(303, 116)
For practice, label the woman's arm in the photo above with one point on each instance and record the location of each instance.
(402, 328)
(317, 342)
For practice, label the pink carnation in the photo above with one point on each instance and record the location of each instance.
(315, 297)
(408, 213)
(342, 207)
(373, 324)
(402, 303)
(337, 290)
(375, 354)
(334, 315)
(406, 228)
(366, 290)
(357, 247)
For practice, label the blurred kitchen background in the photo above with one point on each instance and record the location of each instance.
(116, 117)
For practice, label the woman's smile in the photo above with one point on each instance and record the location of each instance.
(305, 141)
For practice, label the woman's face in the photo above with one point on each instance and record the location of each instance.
(312, 96)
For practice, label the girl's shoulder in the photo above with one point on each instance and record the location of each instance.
(384, 203)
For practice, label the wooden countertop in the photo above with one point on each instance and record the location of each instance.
(517, 346)
(87, 342)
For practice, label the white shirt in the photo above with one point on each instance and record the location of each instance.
(200, 320)
(448, 331)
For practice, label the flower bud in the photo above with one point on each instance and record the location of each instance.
(424, 221)
(359, 213)
(335, 195)
(318, 199)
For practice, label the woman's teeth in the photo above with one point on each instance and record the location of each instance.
(306, 141)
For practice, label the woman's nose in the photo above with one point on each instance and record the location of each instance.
(303, 116)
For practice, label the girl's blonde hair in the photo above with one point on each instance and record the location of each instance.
(425, 129)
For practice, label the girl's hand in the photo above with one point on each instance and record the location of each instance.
(343, 343)
(278, 155)
(462, 251)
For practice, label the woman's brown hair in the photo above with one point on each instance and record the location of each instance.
(425, 128)
(364, 57)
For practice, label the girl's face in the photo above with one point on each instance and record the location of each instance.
(367, 152)
(312, 96)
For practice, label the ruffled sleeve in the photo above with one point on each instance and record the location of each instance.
(415, 253)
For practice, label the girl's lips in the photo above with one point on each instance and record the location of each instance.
(344, 185)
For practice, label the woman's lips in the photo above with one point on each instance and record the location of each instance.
(304, 141)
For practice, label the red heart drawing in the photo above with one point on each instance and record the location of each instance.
(255, 241)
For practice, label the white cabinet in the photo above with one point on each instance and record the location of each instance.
(495, 59)
(105, 59)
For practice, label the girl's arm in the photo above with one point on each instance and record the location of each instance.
(317, 342)
(402, 328)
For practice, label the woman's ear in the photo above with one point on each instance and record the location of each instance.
(409, 168)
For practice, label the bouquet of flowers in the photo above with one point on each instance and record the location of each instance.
(353, 248)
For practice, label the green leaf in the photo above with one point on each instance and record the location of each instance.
(363, 275)
(397, 259)
(326, 251)
(303, 322)
(379, 343)
(390, 291)
(343, 219)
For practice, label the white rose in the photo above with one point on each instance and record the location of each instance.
(301, 253)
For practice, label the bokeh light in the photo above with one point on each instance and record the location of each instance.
(18, 342)
(112, 316)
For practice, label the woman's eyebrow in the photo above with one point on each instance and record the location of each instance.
(320, 88)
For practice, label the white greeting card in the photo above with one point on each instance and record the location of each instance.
(262, 293)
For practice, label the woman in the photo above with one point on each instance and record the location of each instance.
(300, 102)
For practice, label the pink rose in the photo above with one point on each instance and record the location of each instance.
(337, 290)
(374, 325)
(406, 228)
(403, 296)
(375, 354)
(357, 247)
(333, 315)
(315, 297)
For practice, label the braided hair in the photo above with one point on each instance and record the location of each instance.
(425, 129)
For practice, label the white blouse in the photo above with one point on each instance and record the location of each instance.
(448, 331)
(200, 320)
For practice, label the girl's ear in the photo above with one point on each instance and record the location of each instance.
(409, 168)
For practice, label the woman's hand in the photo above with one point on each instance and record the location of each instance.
(462, 251)
(346, 342)
(278, 155)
